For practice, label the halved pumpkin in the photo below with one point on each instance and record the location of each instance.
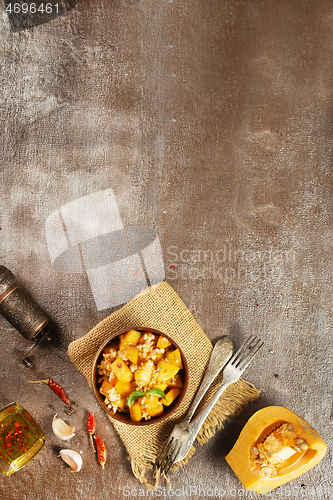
(274, 447)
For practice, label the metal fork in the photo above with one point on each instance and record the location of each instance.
(221, 353)
(184, 433)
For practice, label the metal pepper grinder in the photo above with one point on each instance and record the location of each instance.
(21, 312)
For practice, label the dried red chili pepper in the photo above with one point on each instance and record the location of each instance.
(91, 428)
(55, 388)
(101, 451)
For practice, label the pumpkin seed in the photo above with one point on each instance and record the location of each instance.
(304, 446)
(268, 471)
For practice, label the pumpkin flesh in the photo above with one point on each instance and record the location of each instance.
(274, 447)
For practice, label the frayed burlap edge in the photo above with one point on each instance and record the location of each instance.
(161, 308)
(234, 400)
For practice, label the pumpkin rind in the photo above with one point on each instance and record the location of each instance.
(263, 422)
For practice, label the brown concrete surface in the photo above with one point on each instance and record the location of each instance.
(212, 123)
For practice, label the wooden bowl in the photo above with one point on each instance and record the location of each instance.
(125, 417)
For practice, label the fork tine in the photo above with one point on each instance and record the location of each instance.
(236, 356)
(246, 360)
(237, 364)
(164, 452)
(171, 459)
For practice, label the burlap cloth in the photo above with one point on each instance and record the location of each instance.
(161, 308)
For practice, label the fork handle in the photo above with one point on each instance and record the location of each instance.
(221, 354)
(199, 420)
(195, 426)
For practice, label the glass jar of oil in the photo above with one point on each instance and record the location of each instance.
(20, 438)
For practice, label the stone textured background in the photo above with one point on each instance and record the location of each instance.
(212, 123)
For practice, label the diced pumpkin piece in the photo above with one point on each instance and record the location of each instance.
(155, 411)
(136, 411)
(175, 382)
(131, 353)
(125, 388)
(162, 386)
(143, 374)
(163, 342)
(274, 447)
(158, 356)
(175, 358)
(122, 402)
(121, 370)
(106, 387)
(112, 379)
(171, 396)
(148, 400)
(152, 405)
(130, 337)
(116, 399)
(166, 370)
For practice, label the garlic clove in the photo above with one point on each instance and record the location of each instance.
(72, 458)
(61, 429)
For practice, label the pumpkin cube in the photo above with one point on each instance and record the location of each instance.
(152, 405)
(136, 411)
(130, 337)
(166, 370)
(121, 370)
(108, 390)
(171, 396)
(124, 388)
(175, 358)
(175, 382)
(121, 403)
(106, 387)
(131, 352)
(274, 447)
(143, 374)
(163, 342)
(155, 411)
(162, 386)
(113, 379)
